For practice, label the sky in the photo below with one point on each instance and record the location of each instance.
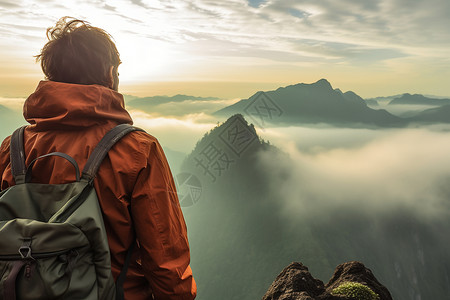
(231, 49)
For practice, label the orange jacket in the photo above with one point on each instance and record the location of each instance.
(72, 118)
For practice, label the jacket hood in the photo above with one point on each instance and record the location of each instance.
(57, 105)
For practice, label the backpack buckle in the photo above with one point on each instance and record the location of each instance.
(25, 249)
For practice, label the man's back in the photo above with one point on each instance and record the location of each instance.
(72, 118)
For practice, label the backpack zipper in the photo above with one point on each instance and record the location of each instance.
(28, 270)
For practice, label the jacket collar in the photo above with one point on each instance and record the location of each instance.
(57, 105)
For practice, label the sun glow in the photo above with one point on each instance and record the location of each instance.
(144, 59)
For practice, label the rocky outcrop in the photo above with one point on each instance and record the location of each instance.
(356, 272)
(296, 283)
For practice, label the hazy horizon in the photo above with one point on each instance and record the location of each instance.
(194, 116)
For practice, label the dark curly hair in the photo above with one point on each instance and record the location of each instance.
(78, 53)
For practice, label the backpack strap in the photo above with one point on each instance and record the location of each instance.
(100, 151)
(89, 173)
(17, 156)
(120, 293)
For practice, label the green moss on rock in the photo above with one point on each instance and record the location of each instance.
(355, 290)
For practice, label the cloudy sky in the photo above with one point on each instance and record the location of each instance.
(236, 47)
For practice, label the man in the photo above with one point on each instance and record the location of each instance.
(70, 112)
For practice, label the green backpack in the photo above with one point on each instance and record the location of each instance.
(53, 243)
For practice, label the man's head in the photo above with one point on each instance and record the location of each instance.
(80, 53)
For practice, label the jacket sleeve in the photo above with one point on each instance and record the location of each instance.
(161, 229)
(4, 161)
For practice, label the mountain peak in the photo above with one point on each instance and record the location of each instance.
(235, 117)
(223, 147)
(322, 81)
(321, 84)
(235, 122)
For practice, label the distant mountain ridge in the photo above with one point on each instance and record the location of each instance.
(383, 100)
(319, 103)
(306, 103)
(316, 103)
(418, 99)
(440, 114)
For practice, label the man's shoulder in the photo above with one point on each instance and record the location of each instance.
(140, 136)
(140, 141)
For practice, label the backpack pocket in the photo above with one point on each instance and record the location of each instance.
(39, 276)
(45, 261)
